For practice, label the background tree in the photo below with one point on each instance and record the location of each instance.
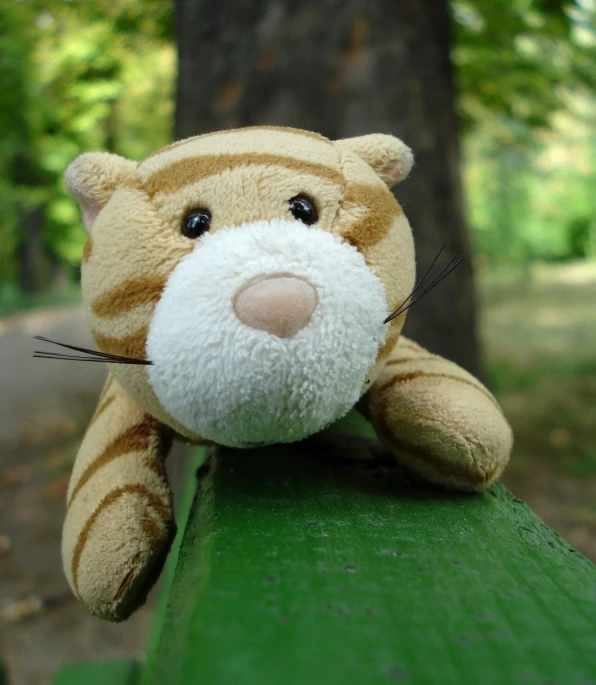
(75, 76)
(86, 76)
(345, 69)
(525, 71)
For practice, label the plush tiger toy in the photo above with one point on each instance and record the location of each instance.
(240, 286)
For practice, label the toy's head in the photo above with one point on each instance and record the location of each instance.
(254, 269)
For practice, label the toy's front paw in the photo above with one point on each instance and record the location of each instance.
(445, 426)
(458, 457)
(114, 558)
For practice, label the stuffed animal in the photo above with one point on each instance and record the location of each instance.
(249, 287)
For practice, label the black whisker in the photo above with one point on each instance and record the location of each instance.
(42, 354)
(456, 261)
(421, 281)
(444, 273)
(73, 358)
(95, 353)
(439, 277)
(436, 282)
(96, 356)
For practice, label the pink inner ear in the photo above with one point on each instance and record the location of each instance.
(398, 171)
(90, 213)
(92, 179)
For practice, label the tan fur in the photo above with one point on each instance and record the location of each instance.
(189, 171)
(434, 417)
(119, 485)
(92, 179)
(388, 156)
(377, 211)
(438, 419)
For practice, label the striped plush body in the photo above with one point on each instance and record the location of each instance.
(251, 272)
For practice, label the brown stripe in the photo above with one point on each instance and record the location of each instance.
(102, 407)
(413, 375)
(156, 466)
(161, 441)
(405, 360)
(88, 249)
(153, 501)
(192, 169)
(132, 293)
(127, 580)
(151, 529)
(134, 439)
(408, 345)
(132, 345)
(282, 129)
(381, 211)
(103, 396)
(106, 389)
(392, 339)
(441, 466)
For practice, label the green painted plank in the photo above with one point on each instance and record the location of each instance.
(116, 672)
(298, 566)
(196, 459)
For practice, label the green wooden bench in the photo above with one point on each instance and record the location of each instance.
(323, 564)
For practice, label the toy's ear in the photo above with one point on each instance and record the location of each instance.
(387, 155)
(92, 179)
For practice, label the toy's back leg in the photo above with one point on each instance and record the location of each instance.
(438, 419)
(119, 522)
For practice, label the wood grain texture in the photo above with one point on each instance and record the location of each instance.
(322, 563)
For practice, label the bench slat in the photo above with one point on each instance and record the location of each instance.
(117, 672)
(297, 568)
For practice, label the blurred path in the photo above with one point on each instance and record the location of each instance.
(44, 407)
(40, 399)
(539, 338)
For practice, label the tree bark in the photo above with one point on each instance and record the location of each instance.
(345, 68)
(30, 251)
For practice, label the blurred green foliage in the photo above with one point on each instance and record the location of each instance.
(76, 76)
(526, 71)
(79, 76)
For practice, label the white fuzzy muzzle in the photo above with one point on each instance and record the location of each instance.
(238, 385)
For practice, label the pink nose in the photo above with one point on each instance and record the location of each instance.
(281, 305)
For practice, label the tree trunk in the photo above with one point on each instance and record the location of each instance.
(59, 273)
(31, 251)
(344, 68)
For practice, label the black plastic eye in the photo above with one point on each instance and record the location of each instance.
(196, 222)
(304, 210)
